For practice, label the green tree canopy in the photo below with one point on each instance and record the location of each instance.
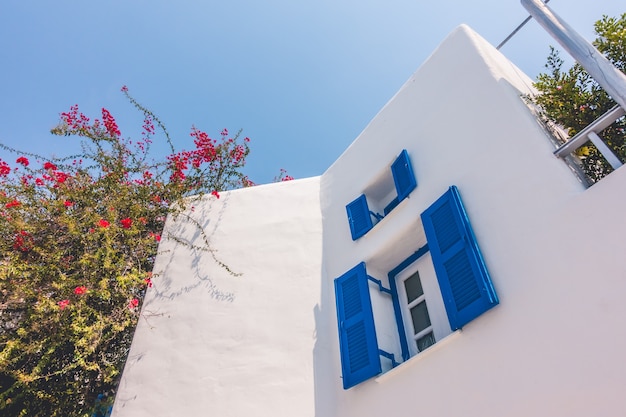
(573, 100)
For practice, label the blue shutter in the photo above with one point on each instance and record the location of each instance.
(463, 278)
(359, 217)
(403, 175)
(357, 335)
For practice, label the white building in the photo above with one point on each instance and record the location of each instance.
(530, 324)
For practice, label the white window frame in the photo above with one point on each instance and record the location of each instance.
(440, 325)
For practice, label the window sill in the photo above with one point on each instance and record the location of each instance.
(386, 219)
(419, 357)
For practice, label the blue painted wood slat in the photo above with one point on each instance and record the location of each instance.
(403, 176)
(463, 278)
(357, 335)
(359, 217)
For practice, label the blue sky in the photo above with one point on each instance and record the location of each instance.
(301, 78)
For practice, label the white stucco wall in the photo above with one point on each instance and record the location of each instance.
(266, 343)
(554, 250)
(209, 343)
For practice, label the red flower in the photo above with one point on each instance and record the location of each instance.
(68, 203)
(155, 236)
(80, 290)
(215, 193)
(143, 220)
(148, 282)
(126, 223)
(38, 181)
(61, 177)
(13, 203)
(5, 169)
(110, 124)
(23, 241)
(49, 165)
(133, 303)
(103, 223)
(22, 160)
(124, 89)
(63, 303)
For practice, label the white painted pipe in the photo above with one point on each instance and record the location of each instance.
(601, 69)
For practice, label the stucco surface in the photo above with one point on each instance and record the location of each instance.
(554, 249)
(210, 343)
(266, 343)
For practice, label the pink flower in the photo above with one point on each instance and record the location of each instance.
(49, 165)
(126, 223)
(132, 304)
(103, 223)
(22, 160)
(5, 169)
(124, 89)
(80, 290)
(63, 303)
(61, 177)
(148, 282)
(23, 241)
(109, 123)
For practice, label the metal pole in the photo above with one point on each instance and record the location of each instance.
(601, 69)
(517, 29)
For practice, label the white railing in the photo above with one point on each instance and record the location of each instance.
(601, 69)
(609, 77)
(591, 133)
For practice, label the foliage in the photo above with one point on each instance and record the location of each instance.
(572, 99)
(78, 238)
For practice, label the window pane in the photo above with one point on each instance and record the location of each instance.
(425, 341)
(420, 317)
(413, 287)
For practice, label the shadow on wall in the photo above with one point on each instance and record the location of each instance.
(192, 230)
(326, 378)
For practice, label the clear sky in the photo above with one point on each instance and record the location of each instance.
(301, 78)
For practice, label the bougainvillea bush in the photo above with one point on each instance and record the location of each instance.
(78, 237)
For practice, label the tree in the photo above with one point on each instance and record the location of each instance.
(572, 99)
(78, 239)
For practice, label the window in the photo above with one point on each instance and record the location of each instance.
(423, 310)
(439, 288)
(384, 195)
